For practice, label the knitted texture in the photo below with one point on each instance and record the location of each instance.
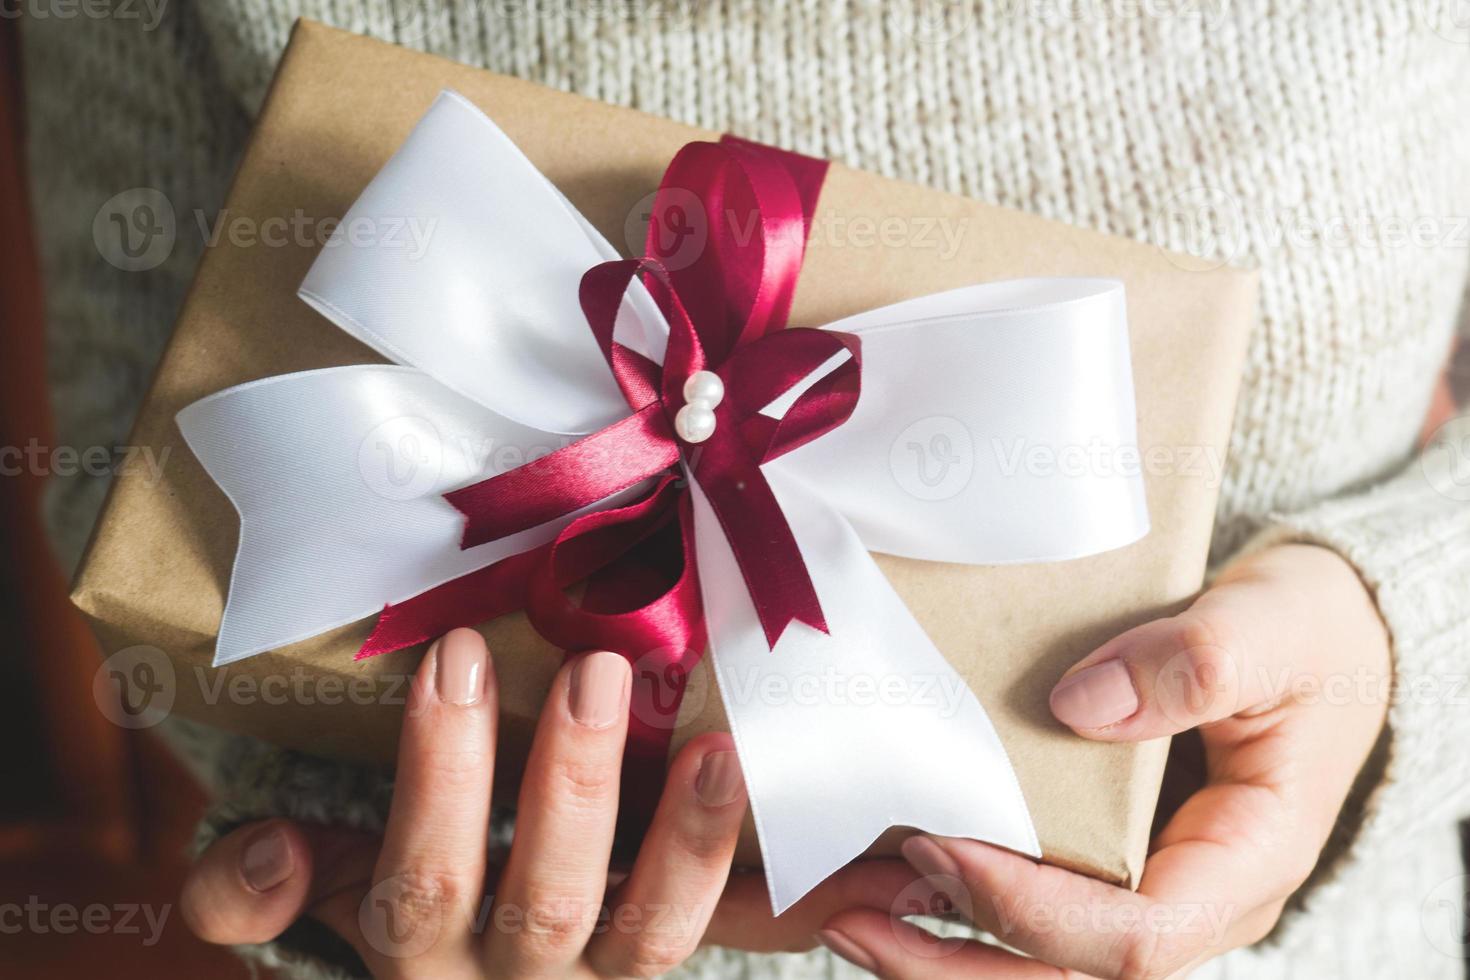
(1323, 144)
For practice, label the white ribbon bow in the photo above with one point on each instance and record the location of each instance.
(338, 474)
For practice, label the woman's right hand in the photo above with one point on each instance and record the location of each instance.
(423, 901)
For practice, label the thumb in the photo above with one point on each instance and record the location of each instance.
(252, 884)
(1263, 631)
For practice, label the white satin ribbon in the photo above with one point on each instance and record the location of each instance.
(994, 425)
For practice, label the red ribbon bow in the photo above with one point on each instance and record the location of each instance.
(726, 309)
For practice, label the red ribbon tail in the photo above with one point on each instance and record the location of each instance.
(469, 600)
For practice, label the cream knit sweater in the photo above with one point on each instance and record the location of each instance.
(1325, 143)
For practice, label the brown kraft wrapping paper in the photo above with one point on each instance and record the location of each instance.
(158, 569)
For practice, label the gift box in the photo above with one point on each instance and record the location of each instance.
(157, 574)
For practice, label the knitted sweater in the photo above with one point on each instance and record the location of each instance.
(1325, 145)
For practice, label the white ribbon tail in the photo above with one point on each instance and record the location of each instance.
(842, 736)
(337, 476)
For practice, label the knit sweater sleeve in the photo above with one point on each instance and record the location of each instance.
(1409, 539)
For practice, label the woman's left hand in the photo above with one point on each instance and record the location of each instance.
(1283, 665)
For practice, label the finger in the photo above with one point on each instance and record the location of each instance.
(550, 894)
(419, 916)
(743, 919)
(656, 917)
(1271, 627)
(254, 882)
(1065, 919)
(897, 950)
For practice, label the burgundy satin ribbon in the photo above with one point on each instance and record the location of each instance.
(726, 307)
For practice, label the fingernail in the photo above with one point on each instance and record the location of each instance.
(460, 674)
(599, 681)
(266, 860)
(844, 947)
(928, 858)
(719, 781)
(1097, 697)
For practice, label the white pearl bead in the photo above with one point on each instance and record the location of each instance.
(694, 422)
(704, 386)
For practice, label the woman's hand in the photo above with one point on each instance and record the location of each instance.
(1284, 667)
(413, 902)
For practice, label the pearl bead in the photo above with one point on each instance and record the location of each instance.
(704, 386)
(694, 422)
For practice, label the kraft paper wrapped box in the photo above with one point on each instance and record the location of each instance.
(158, 568)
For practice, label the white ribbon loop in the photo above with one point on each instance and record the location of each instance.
(484, 296)
(994, 425)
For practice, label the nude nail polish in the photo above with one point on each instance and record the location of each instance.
(266, 860)
(844, 947)
(598, 689)
(719, 781)
(460, 673)
(1097, 697)
(925, 856)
